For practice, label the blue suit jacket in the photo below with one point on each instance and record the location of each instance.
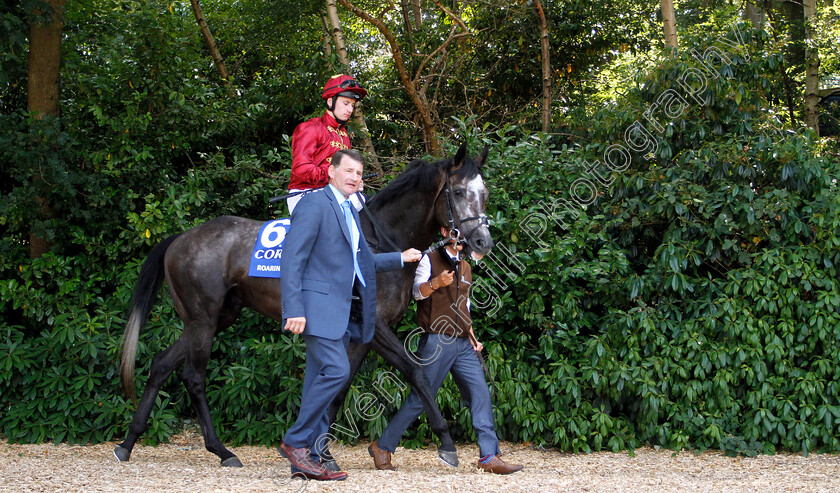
(317, 267)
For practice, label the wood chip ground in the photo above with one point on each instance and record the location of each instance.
(184, 465)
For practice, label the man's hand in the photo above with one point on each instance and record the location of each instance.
(295, 325)
(444, 279)
(475, 344)
(411, 255)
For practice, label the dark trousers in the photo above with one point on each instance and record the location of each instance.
(454, 355)
(327, 370)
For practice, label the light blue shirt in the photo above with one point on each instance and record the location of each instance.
(354, 235)
(346, 211)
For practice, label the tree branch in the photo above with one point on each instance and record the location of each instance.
(385, 10)
(418, 98)
(452, 15)
(211, 45)
(452, 37)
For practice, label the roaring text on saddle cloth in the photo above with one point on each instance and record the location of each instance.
(265, 259)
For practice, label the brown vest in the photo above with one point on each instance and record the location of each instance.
(439, 313)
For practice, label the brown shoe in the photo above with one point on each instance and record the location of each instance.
(497, 466)
(327, 476)
(301, 460)
(381, 458)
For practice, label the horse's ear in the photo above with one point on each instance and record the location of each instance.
(460, 155)
(482, 158)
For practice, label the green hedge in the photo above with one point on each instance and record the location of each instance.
(692, 304)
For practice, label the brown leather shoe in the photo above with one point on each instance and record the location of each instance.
(327, 476)
(381, 458)
(301, 460)
(497, 466)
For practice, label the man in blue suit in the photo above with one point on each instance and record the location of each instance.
(329, 296)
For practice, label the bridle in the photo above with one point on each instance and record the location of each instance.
(455, 233)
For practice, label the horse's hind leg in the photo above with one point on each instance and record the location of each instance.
(194, 377)
(163, 364)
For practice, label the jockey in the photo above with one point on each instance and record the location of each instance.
(315, 141)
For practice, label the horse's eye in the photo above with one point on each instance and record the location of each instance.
(459, 193)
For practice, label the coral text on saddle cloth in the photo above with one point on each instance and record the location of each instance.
(265, 259)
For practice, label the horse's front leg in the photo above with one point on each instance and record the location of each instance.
(386, 343)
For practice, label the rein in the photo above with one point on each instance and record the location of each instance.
(278, 198)
(274, 200)
(380, 232)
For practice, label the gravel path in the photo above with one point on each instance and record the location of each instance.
(184, 465)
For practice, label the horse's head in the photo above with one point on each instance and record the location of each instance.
(465, 206)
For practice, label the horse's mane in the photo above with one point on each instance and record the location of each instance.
(420, 176)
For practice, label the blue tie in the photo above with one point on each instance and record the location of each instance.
(354, 238)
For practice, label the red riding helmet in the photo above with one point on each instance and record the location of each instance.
(345, 86)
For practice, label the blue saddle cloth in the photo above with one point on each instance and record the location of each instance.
(268, 248)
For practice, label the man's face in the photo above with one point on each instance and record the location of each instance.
(343, 108)
(347, 176)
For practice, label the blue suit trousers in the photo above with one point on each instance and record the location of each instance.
(454, 355)
(327, 370)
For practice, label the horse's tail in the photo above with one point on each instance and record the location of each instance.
(142, 301)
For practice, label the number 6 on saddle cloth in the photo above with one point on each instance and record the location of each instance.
(265, 258)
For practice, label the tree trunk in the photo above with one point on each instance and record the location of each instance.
(669, 23)
(812, 68)
(409, 29)
(211, 45)
(43, 86)
(358, 115)
(327, 41)
(418, 14)
(794, 27)
(786, 81)
(754, 13)
(337, 36)
(546, 67)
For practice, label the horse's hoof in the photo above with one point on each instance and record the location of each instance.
(232, 462)
(450, 457)
(121, 453)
